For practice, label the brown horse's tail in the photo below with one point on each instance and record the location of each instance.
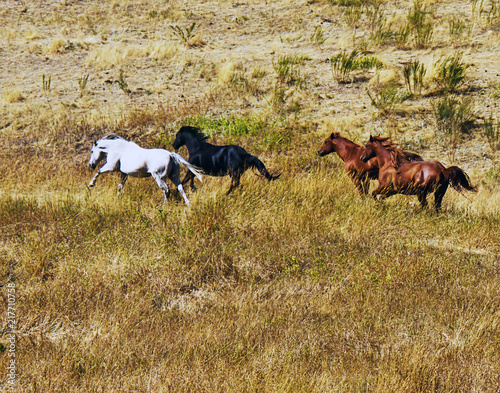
(459, 180)
(254, 162)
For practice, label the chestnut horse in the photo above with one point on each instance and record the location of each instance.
(397, 176)
(350, 152)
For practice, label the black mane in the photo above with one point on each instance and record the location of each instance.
(195, 133)
(112, 136)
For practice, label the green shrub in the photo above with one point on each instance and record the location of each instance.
(186, 34)
(122, 82)
(450, 72)
(381, 34)
(457, 28)
(287, 68)
(414, 73)
(344, 64)
(352, 14)
(244, 83)
(492, 132)
(487, 10)
(352, 11)
(234, 126)
(496, 92)
(417, 30)
(82, 84)
(318, 36)
(345, 3)
(454, 116)
(386, 99)
(375, 14)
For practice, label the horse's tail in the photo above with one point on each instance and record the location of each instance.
(254, 162)
(459, 180)
(196, 171)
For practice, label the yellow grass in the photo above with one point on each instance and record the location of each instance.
(161, 50)
(225, 72)
(56, 45)
(12, 95)
(115, 54)
(32, 34)
(112, 55)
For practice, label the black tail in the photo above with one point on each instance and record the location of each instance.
(459, 180)
(254, 162)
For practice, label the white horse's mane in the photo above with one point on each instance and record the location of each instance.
(112, 136)
(107, 141)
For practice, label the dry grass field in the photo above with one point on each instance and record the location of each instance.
(296, 285)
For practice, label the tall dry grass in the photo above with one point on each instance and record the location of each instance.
(298, 284)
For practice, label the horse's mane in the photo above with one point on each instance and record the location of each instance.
(112, 136)
(195, 133)
(398, 156)
(386, 142)
(336, 135)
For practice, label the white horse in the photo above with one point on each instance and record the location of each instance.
(130, 159)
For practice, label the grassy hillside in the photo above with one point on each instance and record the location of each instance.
(296, 285)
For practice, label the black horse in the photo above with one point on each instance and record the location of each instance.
(215, 160)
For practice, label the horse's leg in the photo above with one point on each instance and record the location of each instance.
(123, 180)
(378, 190)
(235, 182)
(438, 196)
(192, 186)
(176, 179)
(108, 167)
(422, 198)
(384, 191)
(181, 190)
(163, 185)
(189, 177)
(358, 182)
(365, 186)
(92, 182)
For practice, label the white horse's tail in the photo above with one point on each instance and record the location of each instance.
(196, 171)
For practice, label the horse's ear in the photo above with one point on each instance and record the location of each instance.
(332, 136)
(372, 139)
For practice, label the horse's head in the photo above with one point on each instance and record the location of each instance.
(328, 146)
(96, 155)
(369, 151)
(190, 137)
(179, 140)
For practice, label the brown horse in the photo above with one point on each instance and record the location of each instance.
(397, 176)
(350, 152)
